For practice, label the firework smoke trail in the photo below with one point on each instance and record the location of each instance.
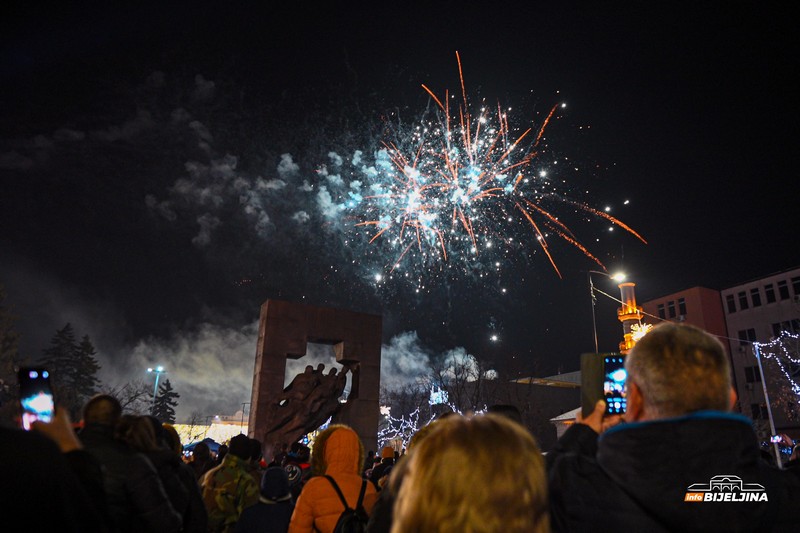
(457, 193)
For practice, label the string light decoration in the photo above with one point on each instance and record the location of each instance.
(397, 429)
(393, 430)
(783, 354)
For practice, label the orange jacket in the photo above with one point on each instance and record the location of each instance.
(318, 506)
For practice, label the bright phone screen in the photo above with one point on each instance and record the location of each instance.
(36, 396)
(614, 390)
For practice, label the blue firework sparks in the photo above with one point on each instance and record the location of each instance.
(462, 192)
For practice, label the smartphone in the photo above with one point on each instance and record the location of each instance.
(614, 384)
(35, 395)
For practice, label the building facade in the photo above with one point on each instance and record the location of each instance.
(760, 315)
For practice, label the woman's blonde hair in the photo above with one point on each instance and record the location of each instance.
(479, 474)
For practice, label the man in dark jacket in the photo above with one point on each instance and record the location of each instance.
(381, 470)
(134, 494)
(682, 462)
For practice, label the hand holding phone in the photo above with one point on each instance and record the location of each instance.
(35, 395)
(603, 377)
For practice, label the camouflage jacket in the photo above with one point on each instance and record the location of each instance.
(227, 490)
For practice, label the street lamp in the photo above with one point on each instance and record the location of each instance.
(618, 277)
(158, 371)
(241, 427)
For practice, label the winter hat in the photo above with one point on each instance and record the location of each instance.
(387, 452)
(240, 446)
(275, 484)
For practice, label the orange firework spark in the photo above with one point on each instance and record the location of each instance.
(466, 171)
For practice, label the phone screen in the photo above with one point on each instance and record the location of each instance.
(35, 395)
(614, 390)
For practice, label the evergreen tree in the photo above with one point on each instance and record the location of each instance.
(86, 380)
(164, 406)
(73, 370)
(9, 361)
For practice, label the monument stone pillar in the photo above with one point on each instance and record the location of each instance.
(285, 329)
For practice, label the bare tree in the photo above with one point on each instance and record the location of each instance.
(198, 428)
(135, 396)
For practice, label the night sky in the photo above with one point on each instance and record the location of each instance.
(165, 169)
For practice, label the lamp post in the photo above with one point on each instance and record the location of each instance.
(619, 277)
(757, 353)
(208, 426)
(157, 371)
(241, 426)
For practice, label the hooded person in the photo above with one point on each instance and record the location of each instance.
(339, 453)
(274, 508)
(381, 470)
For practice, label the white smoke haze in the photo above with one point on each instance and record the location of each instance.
(210, 364)
(45, 304)
(129, 129)
(403, 360)
(287, 167)
(204, 89)
(459, 364)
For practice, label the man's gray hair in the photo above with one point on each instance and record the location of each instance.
(680, 369)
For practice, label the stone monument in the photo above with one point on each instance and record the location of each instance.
(281, 414)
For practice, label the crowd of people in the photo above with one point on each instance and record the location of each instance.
(655, 468)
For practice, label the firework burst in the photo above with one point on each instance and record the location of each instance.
(463, 191)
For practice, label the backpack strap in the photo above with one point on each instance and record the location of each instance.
(341, 496)
(359, 504)
(338, 491)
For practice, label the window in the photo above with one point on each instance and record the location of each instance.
(769, 291)
(742, 334)
(751, 374)
(671, 309)
(746, 336)
(790, 326)
(682, 306)
(796, 285)
(783, 289)
(661, 313)
(731, 303)
(755, 297)
(743, 300)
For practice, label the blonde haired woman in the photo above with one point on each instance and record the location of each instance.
(479, 474)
